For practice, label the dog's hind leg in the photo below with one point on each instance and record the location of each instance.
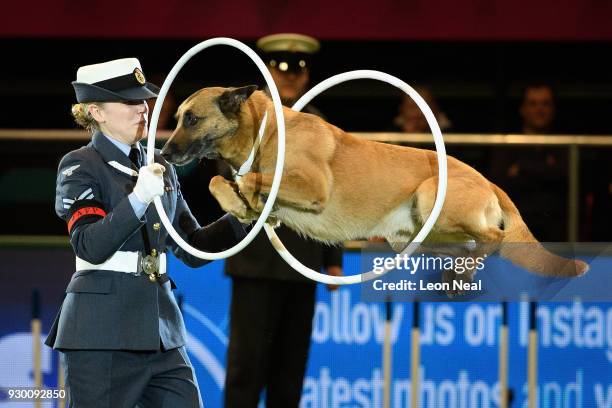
(399, 242)
(306, 192)
(451, 276)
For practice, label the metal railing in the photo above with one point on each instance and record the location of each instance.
(572, 142)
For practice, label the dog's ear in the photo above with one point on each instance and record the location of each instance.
(230, 100)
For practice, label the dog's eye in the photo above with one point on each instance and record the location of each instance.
(189, 119)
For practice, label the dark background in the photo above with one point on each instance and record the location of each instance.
(478, 84)
(475, 55)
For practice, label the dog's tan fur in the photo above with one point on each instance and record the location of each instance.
(337, 186)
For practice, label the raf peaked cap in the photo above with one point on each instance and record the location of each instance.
(113, 81)
(288, 52)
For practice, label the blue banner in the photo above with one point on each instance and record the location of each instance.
(459, 347)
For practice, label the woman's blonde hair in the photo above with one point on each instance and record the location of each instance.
(81, 115)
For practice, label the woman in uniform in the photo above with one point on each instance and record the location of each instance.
(119, 329)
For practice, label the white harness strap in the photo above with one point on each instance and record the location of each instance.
(246, 166)
(123, 169)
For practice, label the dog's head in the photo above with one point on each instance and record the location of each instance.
(205, 118)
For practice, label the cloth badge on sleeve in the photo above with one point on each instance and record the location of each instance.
(68, 172)
(87, 194)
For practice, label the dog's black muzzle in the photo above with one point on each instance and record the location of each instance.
(202, 147)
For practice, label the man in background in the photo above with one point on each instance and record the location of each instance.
(272, 305)
(537, 109)
(535, 177)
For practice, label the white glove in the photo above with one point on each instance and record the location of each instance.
(150, 183)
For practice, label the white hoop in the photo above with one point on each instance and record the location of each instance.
(442, 176)
(280, 158)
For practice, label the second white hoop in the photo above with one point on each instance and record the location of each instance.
(442, 173)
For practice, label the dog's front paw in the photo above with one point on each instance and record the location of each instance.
(249, 189)
(273, 222)
(230, 201)
(242, 212)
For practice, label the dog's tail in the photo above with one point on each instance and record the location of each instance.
(523, 249)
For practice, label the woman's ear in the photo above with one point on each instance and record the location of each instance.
(96, 112)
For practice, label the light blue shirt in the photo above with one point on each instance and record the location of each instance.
(138, 206)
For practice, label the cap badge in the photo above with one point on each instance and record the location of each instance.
(139, 76)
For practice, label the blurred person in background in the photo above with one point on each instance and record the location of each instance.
(537, 110)
(536, 176)
(410, 119)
